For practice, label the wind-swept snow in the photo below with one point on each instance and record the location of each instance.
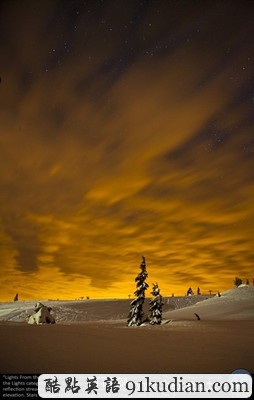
(233, 304)
(91, 336)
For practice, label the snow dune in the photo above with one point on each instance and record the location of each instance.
(234, 304)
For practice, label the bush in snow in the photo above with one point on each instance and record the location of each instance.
(156, 306)
(41, 315)
(136, 306)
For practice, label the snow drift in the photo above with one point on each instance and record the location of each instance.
(233, 304)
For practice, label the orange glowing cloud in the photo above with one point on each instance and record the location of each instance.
(102, 165)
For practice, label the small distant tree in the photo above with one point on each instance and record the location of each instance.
(136, 306)
(16, 297)
(155, 306)
(238, 281)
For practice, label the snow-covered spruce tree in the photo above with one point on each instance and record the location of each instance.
(156, 306)
(238, 281)
(136, 306)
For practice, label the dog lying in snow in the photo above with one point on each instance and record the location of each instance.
(41, 315)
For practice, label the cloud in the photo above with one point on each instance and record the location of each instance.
(114, 149)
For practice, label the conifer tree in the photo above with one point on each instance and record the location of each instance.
(156, 306)
(136, 306)
(238, 281)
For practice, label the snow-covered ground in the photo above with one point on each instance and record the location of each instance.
(233, 304)
(91, 336)
(62, 310)
(67, 311)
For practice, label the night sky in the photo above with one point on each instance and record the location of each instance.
(126, 129)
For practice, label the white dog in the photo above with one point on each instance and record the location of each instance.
(41, 315)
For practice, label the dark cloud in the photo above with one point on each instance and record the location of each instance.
(126, 129)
